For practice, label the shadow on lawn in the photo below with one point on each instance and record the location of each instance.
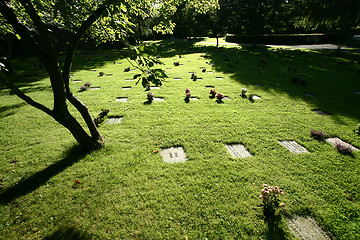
(30, 184)
(274, 230)
(68, 233)
(325, 79)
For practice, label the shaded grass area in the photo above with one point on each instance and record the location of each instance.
(127, 192)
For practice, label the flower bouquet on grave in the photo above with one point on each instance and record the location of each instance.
(150, 96)
(187, 95)
(212, 93)
(101, 73)
(251, 98)
(219, 96)
(271, 201)
(85, 86)
(101, 117)
(243, 92)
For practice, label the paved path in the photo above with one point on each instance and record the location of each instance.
(310, 46)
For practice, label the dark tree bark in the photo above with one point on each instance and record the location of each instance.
(41, 43)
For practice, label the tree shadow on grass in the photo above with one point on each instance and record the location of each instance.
(274, 229)
(8, 110)
(68, 233)
(33, 182)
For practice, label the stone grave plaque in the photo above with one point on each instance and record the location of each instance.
(209, 86)
(238, 150)
(95, 88)
(177, 79)
(126, 88)
(210, 72)
(108, 75)
(77, 81)
(129, 80)
(256, 97)
(194, 98)
(173, 155)
(154, 87)
(159, 99)
(320, 112)
(219, 78)
(356, 92)
(257, 84)
(306, 228)
(309, 95)
(336, 141)
(121, 99)
(114, 120)
(226, 98)
(293, 147)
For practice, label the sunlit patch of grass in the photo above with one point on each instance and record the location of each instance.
(126, 191)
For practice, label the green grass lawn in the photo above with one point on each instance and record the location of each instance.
(126, 191)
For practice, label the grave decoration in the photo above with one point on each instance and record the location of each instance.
(101, 117)
(177, 63)
(212, 93)
(318, 135)
(193, 76)
(85, 86)
(341, 146)
(150, 96)
(203, 70)
(101, 73)
(219, 97)
(251, 98)
(127, 69)
(187, 95)
(270, 196)
(243, 92)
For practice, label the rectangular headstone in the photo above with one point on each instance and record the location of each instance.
(173, 155)
(293, 147)
(238, 150)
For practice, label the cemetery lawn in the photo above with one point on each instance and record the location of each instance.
(126, 191)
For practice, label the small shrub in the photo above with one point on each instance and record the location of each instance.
(270, 197)
(319, 135)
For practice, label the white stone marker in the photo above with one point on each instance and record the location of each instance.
(173, 155)
(334, 141)
(238, 150)
(121, 99)
(294, 147)
(114, 120)
(306, 228)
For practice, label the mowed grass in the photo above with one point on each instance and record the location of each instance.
(126, 191)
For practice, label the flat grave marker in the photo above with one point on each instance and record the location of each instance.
(114, 120)
(94, 88)
(173, 155)
(129, 80)
(126, 88)
(238, 150)
(320, 112)
(335, 141)
(356, 92)
(306, 228)
(121, 99)
(309, 95)
(77, 81)
(194, 98)
(159, 99)
(293, 147)
(154, 87)
(209, 86)
(177, 79)
(256, 97)
(219, 78)
(257, 84)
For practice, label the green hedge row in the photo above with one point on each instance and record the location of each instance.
(287, 39)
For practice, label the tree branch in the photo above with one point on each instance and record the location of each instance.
(27, 99)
